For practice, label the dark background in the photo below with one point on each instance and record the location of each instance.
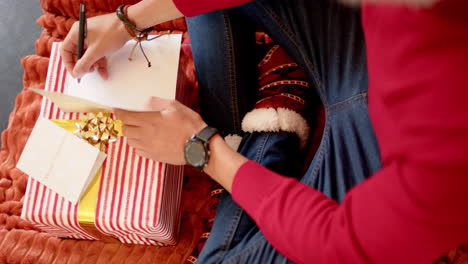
(18, 32)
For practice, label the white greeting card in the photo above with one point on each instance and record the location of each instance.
(131, 83)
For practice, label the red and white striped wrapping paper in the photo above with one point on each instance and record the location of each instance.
(138, 201)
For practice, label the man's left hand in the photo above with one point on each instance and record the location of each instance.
(162, 133)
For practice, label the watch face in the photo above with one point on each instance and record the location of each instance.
(195, 153)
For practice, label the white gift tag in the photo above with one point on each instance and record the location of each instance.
(61, 161)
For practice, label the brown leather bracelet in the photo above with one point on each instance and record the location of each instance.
(131, 32)
(134, 32)
(130, 26)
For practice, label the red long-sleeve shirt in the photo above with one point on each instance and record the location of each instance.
(413, 209)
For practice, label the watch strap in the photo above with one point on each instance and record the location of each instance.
(206, 133)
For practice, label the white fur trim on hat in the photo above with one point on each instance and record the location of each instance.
(271, 120)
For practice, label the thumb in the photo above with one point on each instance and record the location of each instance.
(158, 104)
(84, 64)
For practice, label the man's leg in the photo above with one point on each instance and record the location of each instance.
(233, 227)
(223, 47)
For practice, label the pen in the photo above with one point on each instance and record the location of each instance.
(81, 33)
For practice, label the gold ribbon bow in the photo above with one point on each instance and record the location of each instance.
(98, 129)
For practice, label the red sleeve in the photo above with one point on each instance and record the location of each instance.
(193, 8)
(413, 209)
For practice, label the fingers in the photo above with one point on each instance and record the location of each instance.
(68, 49)
(143, 154)
(126, 117)
(159, 104)
(131, 132)
(138, 119)
(135, 143)
(84, 64)
(138, 146)
(102, 68)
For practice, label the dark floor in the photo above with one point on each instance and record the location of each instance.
(18, 32)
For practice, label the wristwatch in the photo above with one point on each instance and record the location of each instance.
(196, 150)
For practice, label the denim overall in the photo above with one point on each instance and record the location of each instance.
(327, 41)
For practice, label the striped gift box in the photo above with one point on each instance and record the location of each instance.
(138, 200)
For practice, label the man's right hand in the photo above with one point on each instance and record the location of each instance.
(105, 35)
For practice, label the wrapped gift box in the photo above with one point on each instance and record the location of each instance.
(133, 199)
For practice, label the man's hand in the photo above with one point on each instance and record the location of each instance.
(105, 35)
(161, 135)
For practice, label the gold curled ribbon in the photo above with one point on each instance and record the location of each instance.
(98, 129)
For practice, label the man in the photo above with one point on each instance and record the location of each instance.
(411, 210)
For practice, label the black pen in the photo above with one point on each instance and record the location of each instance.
(81, 33)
